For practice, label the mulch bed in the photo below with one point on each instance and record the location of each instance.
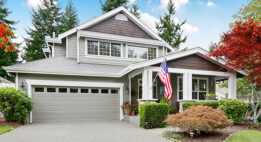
(221, 134)
(3, 122)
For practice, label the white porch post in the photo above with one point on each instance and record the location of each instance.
(232, 86)
(187, 86)
(150, 94)
(130, 89)
(144, 84)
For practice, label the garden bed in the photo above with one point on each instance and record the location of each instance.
(3, 122)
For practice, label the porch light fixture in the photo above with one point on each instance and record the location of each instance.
(22, 85)
(127, 88)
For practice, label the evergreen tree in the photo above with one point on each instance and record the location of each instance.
(6, 58)
(169, 30)
(70, 18)
(135, 10)
(45, 20)
(109, 5)
(4, 13)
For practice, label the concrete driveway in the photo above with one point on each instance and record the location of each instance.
(115, 131)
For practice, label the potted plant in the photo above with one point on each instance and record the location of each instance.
(211, 96)
(134, 109)
(127, 108)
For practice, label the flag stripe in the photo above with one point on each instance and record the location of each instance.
(165, 79)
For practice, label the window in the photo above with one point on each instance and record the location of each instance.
(132, 52)
(115, 50)
(141, 52)
(93, 47)
(62, 90)
(95, 91)
(84, 90)
(38, 89)
(52, 90)
(105, 48)
(151, 53)
(104, 91)
(73, 90)
(180, 88)
(114, 91)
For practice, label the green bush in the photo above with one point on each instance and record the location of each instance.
(14, 104)
(154, 114)
(234, 109)
(213, 104)
(171, 135)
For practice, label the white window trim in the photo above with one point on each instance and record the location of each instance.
(203, 78)
(102, 56)
(138, 45)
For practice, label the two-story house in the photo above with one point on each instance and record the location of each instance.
(93, 68)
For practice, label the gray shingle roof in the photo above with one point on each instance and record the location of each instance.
(62, 65)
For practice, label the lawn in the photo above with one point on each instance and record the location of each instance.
(245, 136)
(4, 129)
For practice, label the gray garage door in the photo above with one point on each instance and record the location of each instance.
(75, 104)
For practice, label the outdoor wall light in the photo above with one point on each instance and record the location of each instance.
(127, 88)
(22, 85)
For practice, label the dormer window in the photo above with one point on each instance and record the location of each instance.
(103, 48)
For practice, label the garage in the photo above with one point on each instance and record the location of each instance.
(61, 104)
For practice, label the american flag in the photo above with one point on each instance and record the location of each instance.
(164, 77)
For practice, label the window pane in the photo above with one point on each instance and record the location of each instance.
(202, 95)
(51, 89)
(115, 50)
(194, 85)
(202, 85)
(38, 89)
(84, 90)
(194, 95)
(105, 91)
(132, 52)
(152, 53)
(95, 90)
(63, 90)
(74, 90)
(105, 48)
(93, 47)
(142, 53)
(114, 91)
(180, 95)
(180, 84)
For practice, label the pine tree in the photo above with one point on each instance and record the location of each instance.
(45, 20)
(135, 10)
(70, 18)
(170, 30)
(6, 58)
(4, 13)
(109, 5)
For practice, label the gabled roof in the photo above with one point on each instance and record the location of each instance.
(108, 15)
(5, 80)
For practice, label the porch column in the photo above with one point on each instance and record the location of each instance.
(232, 86)
(147, 84)
(130, 89)
(187, 86)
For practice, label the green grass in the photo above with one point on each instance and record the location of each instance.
(4, 129)
(245, 136)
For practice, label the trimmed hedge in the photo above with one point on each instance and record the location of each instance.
(213, 104)
(234, 109)
(15, 104)
(154, 114)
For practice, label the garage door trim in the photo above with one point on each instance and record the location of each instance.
(31, 83)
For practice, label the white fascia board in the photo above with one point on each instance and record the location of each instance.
(120, 38)
(53, 40)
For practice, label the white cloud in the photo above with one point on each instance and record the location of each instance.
(210, 4)
(132, 1)
(151, 20)
(33, 3)
(178, 3)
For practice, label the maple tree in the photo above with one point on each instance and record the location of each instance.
(241, 48)
(5, 35)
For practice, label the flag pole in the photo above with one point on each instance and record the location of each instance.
(158, 72)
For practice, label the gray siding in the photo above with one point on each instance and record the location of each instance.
(72, 46)
(59, 50)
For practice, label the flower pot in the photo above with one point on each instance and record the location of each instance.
(133, 113)
(127, 111)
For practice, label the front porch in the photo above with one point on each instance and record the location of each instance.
(187, 84)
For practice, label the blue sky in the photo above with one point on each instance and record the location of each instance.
(206, 19)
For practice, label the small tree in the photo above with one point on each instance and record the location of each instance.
(241, 48)
(109, 5)
(135, 10)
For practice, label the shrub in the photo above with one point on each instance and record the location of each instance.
(14, 104)
(171, 135)
(154, 114)
(199, 119)
(173, 108)
(234, 109)
(165, 100)
(212, 95)
(213, 104)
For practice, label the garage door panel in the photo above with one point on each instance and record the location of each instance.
(75, 106)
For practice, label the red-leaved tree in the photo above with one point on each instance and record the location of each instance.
(241, 48)
(5, 35)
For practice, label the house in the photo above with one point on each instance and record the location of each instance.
(93, 68)
(6, 83)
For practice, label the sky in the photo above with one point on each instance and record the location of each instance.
(206, 20)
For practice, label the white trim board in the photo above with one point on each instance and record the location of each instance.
(30, 83)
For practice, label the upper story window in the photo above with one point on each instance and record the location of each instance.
(141, 52)
(103, 48)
